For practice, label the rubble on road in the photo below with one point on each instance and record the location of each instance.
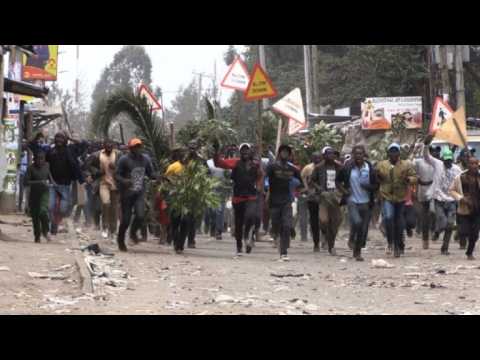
(57, 276)
(381, 264)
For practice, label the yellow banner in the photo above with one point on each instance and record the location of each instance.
(43, 65)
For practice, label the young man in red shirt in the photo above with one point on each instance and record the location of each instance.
(247, 179)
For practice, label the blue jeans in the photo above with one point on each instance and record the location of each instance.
(63, 194)
(359, 217)
(394, 222)
(215, 218)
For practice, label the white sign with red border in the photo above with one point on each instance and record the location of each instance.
(237, 77)
(151, 99)
(291, 106)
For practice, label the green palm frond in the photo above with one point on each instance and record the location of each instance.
(148, 127)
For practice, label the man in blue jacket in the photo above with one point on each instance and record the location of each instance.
(358, 183)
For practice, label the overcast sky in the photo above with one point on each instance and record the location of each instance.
(172, 66)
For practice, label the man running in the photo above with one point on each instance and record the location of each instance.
(424, 195)
(394, 176)
(445, 171)
(65, 170)
(132, 169)
(102, 166)
(358, 181)
(313, 206)
(247, 180)
(466, 190)
(324, 181)
(280, 175)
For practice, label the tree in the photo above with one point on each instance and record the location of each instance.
(130, 67)
(230, 55)
(185, 105)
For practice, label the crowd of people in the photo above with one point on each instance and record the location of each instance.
(428, 193)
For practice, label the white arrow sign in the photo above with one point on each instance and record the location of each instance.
(291, 106)
(237, 77)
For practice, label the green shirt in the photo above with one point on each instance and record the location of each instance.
(394, 179)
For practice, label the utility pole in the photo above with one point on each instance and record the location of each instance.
(314, 68)
(260, 55)
(444, 72)
(76, 80)
(1, 81)
(306, 61)
(460, 85)
(199, 104)
(263, 64)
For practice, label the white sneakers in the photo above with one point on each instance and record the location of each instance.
(284, 258)
(104, 235)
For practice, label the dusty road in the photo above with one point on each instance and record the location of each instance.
(208, 280)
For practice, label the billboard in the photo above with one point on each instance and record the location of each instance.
(377, 113)
(43, 65)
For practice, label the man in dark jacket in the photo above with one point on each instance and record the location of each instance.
(280, 175)
(65, 170)
(358, 183)
(130, 174)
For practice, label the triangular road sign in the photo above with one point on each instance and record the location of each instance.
(295, 126)
(260, 86)
(237, 77)
(441, 112)
(291, 106)
(454, 130)
(151, 99)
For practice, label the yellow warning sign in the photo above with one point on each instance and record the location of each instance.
(260, 86)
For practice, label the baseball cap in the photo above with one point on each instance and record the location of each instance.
(245, 145)
(447, 154)
(134, 142)
(326, 148)
(394, 146)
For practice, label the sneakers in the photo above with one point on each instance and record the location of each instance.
(324, 245)
(104, 235)
(122, 247)
(358, 257)
(444, 252)
(388, 250)
(425, 245)
(47, 237)
(284, 258)
(37, 240)
(316, 248)
(397, 252)
(470, 257)
(191, 246)
(333, 252)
